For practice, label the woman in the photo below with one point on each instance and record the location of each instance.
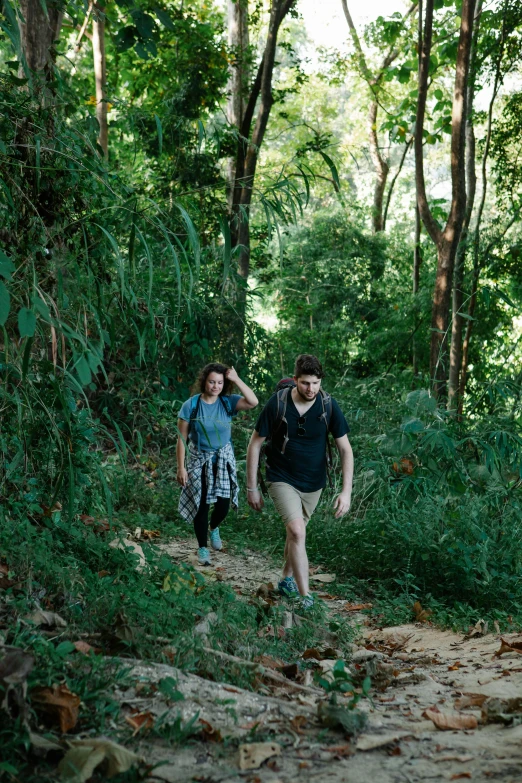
(205, 423)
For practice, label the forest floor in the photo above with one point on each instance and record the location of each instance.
(282, 732)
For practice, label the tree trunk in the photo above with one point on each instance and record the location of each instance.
(238, 42)
(476, 238)
(417, 261)
(457, 323)
(382, 169)
(100, 77)
(447, 240)
(38, 32)
(249, 144)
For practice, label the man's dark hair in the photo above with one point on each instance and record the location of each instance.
(221, 369)
(306, 364)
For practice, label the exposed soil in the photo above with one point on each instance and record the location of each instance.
(414, 668)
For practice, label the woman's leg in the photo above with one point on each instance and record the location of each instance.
(201, 518)
(219, 512)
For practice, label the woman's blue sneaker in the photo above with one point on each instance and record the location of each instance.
(203, 556)
(288, 587)
(307, 602)
(215, 539)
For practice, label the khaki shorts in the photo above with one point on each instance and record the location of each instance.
(291, 503)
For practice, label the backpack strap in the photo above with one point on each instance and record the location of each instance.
(326, 415)
(282, 402)
(225, 402)
(194, 409)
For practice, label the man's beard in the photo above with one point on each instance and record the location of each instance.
(306, 399)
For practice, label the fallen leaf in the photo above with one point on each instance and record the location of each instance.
(15, 666)
(150, 534)
(177, 582)
(43, 744)
(312, 652)
(269, 662)
(140, 721)
(79, 763)
(461, 759)
(323, 578)
(46, 619)
(459, 775)
(98, 525)
(60, 703)
(479, 629)
(356, 607)
(457, 665)
(265, 590)
(251, 756)
(83, 647)
(501, 710)
(290, 671)
(298, 721)
(470, 700)
(126, 544)
(340, 751)
(372, 741)
(515, 645)
(405, 466)
(389, 641)
(209, 732)
(421, 615)
(447, 722)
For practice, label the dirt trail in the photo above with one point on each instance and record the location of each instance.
(413, 667)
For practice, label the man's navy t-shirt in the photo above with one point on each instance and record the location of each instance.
(303, 465)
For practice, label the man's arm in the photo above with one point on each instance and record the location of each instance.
(342, 501)
(254, 496)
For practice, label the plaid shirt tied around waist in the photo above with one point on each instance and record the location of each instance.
(221, 479)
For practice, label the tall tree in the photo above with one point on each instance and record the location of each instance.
(39, 29)
(237, 88)
(100, 76)
(252, 133)
(457, 320)
(447, 239)
(373, 80)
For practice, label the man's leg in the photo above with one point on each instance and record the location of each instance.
(295, 550)
(287, 568)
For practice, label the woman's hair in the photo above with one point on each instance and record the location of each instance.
(306, 364)
(199, 385)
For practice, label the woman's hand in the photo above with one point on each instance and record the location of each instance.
(232, 375)
(182, 477)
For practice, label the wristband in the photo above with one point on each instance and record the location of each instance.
(256, 489)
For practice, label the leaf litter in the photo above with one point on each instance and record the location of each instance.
(293, 720)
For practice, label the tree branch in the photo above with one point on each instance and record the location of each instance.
(424, 66)
(83, 28)
(407, 148)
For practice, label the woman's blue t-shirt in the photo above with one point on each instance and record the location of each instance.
(212, 429)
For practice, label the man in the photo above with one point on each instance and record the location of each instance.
(296, 465)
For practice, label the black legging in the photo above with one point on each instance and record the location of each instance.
(218, 515)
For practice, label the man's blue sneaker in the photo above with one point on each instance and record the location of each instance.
(288, 587)
(215, 539)
(203, 556)
(307, 602)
